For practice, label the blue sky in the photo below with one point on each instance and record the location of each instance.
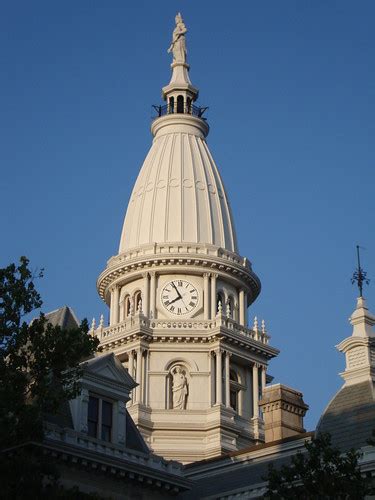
(291, 91)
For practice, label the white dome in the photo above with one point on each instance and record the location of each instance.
(179, 195)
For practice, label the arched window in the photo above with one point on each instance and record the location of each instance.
(180, 104)
(188, 105)
(230, 307)
(234, 390)
(137, 300)
(171, 104)
(220, 300)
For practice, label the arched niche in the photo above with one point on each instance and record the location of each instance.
(177, 384)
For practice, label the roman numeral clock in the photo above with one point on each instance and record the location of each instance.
(179, 297)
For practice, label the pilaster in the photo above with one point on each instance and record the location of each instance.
(206, 295)
(219, 378)
(213, 295)
(152, 294)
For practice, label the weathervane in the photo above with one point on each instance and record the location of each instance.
(360, 276)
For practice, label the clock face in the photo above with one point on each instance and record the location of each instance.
(179, 297)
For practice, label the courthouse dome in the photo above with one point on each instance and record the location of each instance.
(179, 195)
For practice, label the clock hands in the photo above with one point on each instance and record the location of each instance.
(174, 300)
(179, 296)
(178, 293)
(185, 300)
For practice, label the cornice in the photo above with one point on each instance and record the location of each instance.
(126, 467)
(174, 332)
(353, 341)
(125, 267)
(179, 123)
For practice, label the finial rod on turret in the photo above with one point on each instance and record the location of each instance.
(360, 276)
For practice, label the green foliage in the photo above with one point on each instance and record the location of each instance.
(39, 370)
(322, 472)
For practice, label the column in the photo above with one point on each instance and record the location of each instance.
(248, 409)
(146, 378)
(138, 389)
(227, 379)
(255, 391)
(219, 381)
(121, 423)
(263, 378)
(152, 294)
(245, 309)
(131, 363)
(211, 390)
(144, 375)
(83, 410)
(206, 297)
(145, 300)
(241, 300)
(213, 295)
(121, 316)
(116, 296)
(111, 302)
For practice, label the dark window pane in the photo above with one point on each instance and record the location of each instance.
(92, 429)
(106, 433)
(107, 413)
(180, 104)
(233, 400)
(106, 420)
(93, 409)
(92, 417)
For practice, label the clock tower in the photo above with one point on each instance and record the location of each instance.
(178, 292)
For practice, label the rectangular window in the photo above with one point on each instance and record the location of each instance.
(93, 416)
(99, 418)
(106, 420)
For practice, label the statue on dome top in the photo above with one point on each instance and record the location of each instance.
(178, 45)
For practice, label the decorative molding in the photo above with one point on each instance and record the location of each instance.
(129, 265)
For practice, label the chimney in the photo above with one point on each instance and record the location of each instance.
(283, 411)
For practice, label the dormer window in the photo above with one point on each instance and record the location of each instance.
(99, 418)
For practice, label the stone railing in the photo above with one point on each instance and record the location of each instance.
(131, 323)
(188, 250)
(253, 333)
(167, 324)
(139, 321)
(80, 440)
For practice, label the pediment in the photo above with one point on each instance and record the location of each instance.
(109, 367)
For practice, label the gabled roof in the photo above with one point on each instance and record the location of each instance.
(63, 317)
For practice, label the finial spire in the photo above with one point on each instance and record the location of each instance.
(360, 276)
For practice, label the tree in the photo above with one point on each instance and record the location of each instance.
(39, 370)
(322, 472)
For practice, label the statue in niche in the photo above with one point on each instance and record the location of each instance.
(179, 388)
(178, 45)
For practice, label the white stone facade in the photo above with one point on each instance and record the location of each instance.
(178, 293)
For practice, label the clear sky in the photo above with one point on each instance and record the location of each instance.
(291, 91)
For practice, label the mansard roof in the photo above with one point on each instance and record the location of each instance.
(350, 416)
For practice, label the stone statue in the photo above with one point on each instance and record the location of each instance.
(178, 45)
(179, 388)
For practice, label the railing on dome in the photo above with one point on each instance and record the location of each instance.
(190, 109)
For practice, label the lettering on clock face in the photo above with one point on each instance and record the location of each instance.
(179, 297)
